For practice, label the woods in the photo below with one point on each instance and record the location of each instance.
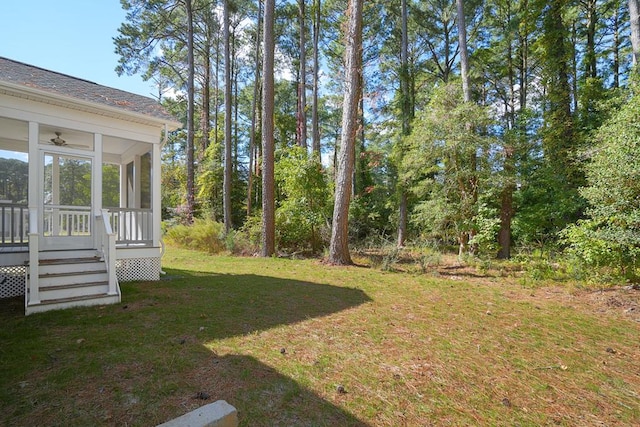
(482, 127)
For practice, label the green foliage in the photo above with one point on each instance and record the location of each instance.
(428, 257)
(545, 206)
(252, 228)
(369, 213)
(239, 243)
(284, 114)
(304, 207)
(173, 179)
(444, 165)
(540, 270)
(487, 223)
(209, 181)
(14, 180)
(74, 187)
(530, 61)
(611, 236)
(202, 235)
(110, 185)
(592, 251)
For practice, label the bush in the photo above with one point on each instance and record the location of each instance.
(427, 258)
(240, 243)
(304, 207)
(608, 241)
(604, 251)
(202, 235)
(252, 229)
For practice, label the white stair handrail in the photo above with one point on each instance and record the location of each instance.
(33, 293)
(108, 249)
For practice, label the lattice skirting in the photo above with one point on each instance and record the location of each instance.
(132, 269)
(12, 281)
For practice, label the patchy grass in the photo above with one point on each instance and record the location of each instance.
(276, 338)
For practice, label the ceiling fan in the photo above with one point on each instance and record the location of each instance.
(58, 140)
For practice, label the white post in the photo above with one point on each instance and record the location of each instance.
(123, 185)
(156, 198)
(35, 201)
(111, 268)
(96, 196)
(55, 196)
(33, 294)
(137, 181)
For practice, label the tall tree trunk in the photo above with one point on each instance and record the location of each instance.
(470, 184)
(615, 49)
(359, 148)
(464, 54)
(190, 113)
(228, 111)
(634, 19)
(508, 186)
(404, 86)
(205, 115)
(590, 48)
(574, 66)
(315, 125)
(216, 93)
(560, 138)
(301, 129)
(506, 204)
(268, 179)
(235, 70)
(339, 246)
(523, 56)
(254, 111)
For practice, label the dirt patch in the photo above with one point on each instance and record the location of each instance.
(623, 300)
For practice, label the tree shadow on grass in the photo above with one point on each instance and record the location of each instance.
(144, 361)
(264, 397)
(228, 305)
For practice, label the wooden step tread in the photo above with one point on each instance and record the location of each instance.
(72, 286)
(56, 261)
(71, 274)
(73, 299)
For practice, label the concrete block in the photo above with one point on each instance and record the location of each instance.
(216, 414)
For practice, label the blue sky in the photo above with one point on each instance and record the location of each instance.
(73, 37)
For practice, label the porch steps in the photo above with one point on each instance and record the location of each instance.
(67, 254)
(71, 278)
(79, 301)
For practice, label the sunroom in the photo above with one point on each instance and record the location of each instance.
(79, 188)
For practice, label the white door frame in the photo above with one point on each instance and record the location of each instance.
(51, 239)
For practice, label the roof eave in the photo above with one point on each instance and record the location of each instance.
(40, 95)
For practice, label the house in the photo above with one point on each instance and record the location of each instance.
(80, 198)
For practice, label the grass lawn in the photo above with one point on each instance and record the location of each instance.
(276, 338)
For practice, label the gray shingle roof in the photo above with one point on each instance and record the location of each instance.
(19, 73)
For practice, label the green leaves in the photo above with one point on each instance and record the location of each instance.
(304, 199)
(611, 237)
(441, 163)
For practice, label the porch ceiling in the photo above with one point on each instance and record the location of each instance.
(14, 137)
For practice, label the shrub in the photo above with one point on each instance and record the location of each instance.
(609, 239)
(202, 235)
(304, 208)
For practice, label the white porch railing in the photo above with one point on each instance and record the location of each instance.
(107, 246)
(14, 220)
(67, 221)
(132, 226)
